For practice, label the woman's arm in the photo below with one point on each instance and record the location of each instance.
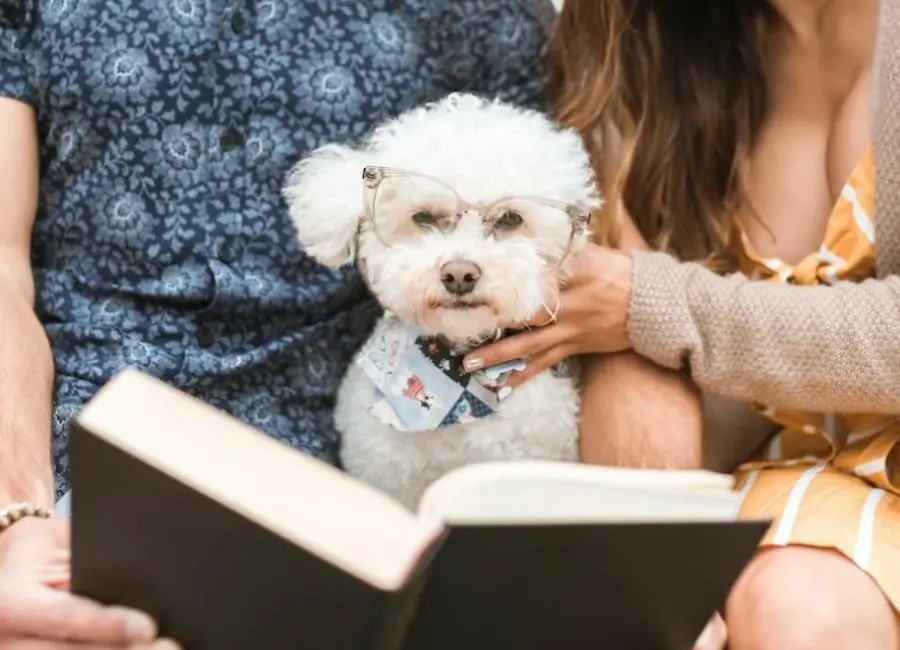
(815, 348)
(636, 413)
(823, 348)
(626, 401)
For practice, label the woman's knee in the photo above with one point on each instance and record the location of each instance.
(802, 598)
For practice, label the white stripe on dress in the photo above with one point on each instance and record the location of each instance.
(795, 498)
(865, 537)
(859, 215)
(856, 436)
(872, 467)
(746, 487)
(831, 257)
(774, 448)
(834, 264)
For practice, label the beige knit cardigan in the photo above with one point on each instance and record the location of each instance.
(828, 348)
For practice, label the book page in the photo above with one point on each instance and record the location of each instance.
(533, 492)
(304, 500)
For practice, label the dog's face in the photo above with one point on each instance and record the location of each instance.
(463, 220)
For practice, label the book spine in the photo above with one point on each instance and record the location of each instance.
(394, 623)
(392, 628)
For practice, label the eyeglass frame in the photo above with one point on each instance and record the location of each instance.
(373, 175)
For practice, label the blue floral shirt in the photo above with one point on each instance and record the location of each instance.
(167, 128)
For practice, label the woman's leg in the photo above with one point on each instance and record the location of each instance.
(789, 598)
(799, 598)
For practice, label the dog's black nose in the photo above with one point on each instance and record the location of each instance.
(460, 278)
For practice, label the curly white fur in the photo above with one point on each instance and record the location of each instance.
(486, 151)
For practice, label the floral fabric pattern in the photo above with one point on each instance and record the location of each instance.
(167, 128)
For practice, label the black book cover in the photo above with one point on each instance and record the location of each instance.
(584, 587)
(214, 579)
(217, 579)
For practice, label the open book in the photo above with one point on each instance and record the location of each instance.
(235, 541)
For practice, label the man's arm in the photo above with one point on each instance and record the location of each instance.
(635, 414)
(26, 362)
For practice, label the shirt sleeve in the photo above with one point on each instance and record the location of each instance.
(13, 79)
(822, 348)
(498, 49)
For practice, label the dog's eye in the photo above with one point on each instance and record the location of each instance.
(508, 221)
(424, 218)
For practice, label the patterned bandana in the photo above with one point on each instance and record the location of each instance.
(421, 383)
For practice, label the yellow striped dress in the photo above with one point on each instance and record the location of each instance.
(831, 480)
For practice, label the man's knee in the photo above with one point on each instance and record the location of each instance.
(635, 414)
(801, 598)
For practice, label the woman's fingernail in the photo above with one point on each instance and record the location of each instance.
(139, 627)
(473, 364)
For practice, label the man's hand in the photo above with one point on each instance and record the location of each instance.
(37, 612)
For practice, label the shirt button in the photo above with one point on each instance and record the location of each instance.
(231, 139)
(227, 253)
(238, 22)
(205, 337)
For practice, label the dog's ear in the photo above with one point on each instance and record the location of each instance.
(324, 194)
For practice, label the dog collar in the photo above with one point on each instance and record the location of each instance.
(420, 381)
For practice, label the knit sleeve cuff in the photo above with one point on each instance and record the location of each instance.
(660, 323)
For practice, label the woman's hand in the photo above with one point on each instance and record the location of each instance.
(590, 318)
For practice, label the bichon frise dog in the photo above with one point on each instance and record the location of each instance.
(461, 216)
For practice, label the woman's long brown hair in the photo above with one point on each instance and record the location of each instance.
(676, 91)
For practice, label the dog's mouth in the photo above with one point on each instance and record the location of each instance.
(460, 304)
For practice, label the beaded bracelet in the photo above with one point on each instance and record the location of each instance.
(18, 511)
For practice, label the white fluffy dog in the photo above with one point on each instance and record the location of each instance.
(462, 216)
